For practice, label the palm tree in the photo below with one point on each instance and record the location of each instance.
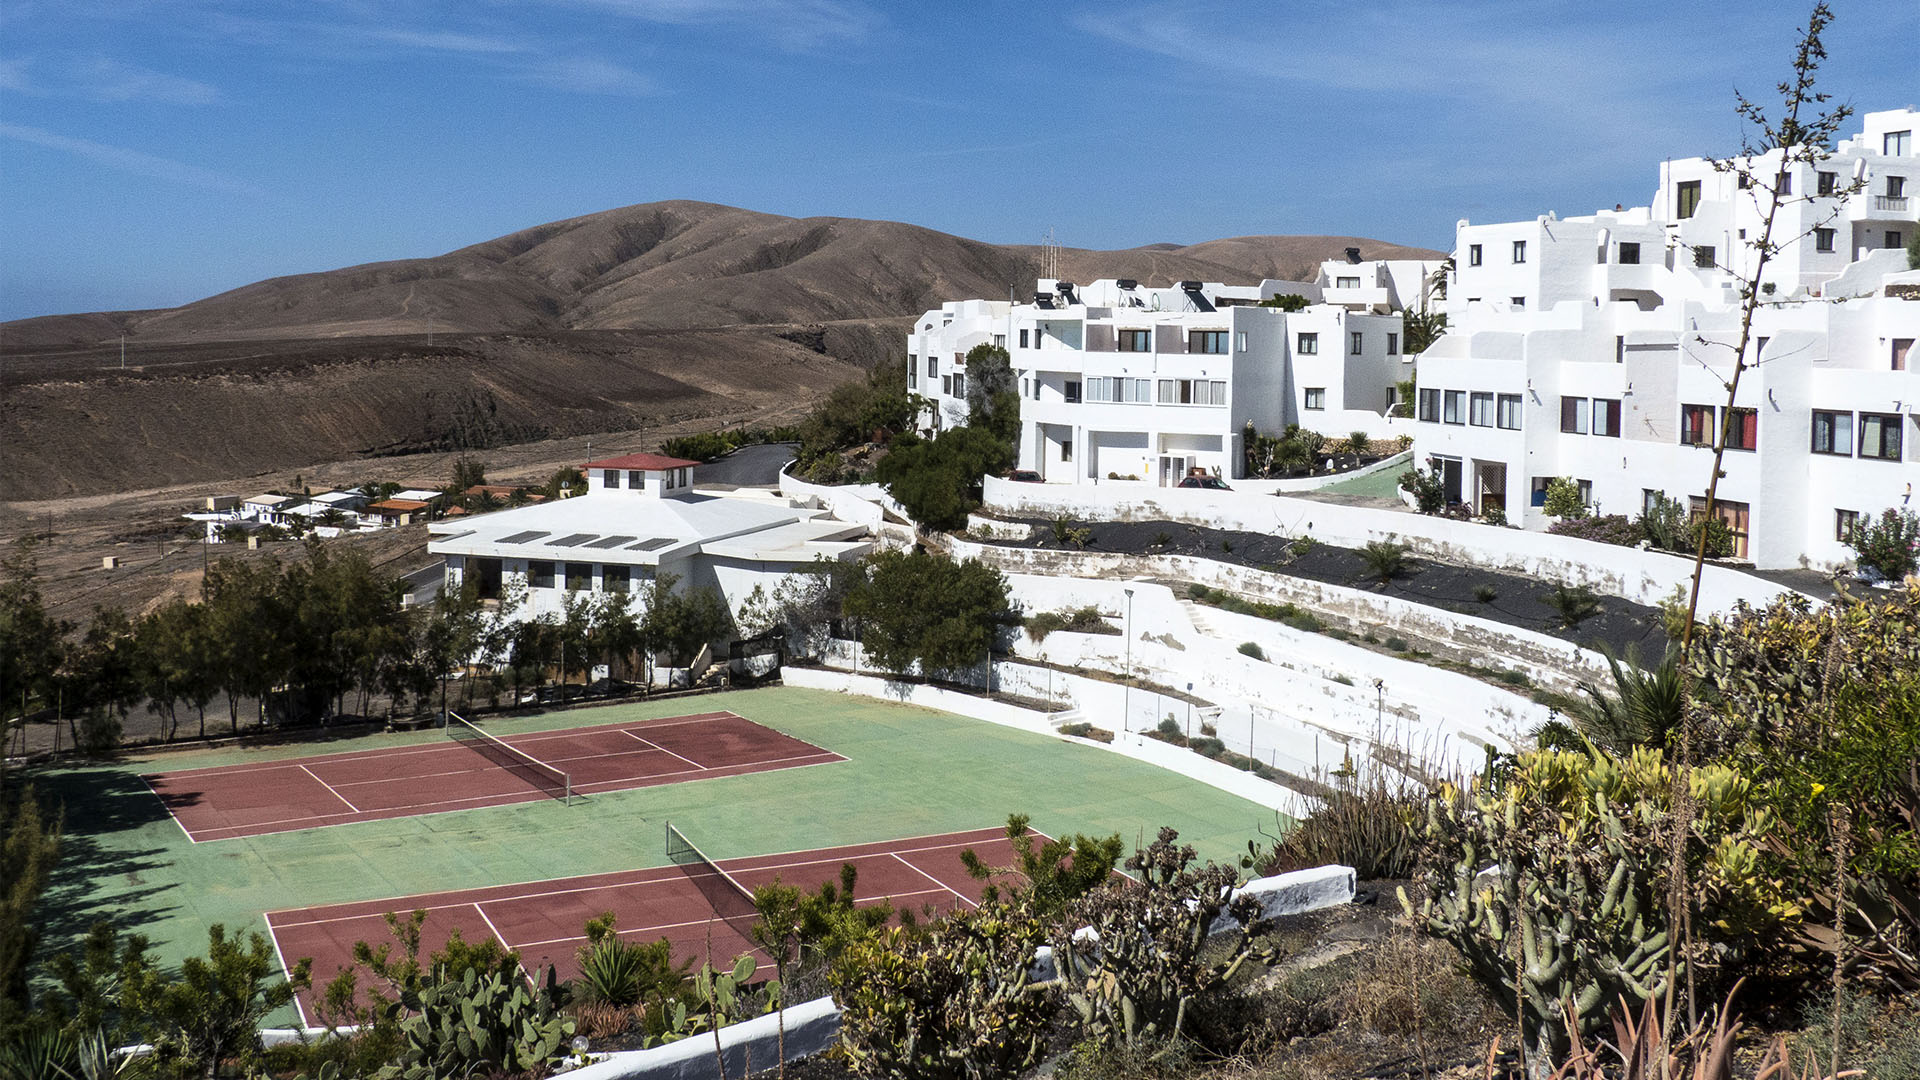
(1642, 709)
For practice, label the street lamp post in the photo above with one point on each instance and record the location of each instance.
(1126, 715)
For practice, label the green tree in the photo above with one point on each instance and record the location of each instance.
(679, 621)
(1641, 709)
(210, 1010)
(1287, 302)
(467, 472)
(1563, 499)
(29, 849)
(925, 609)
(993, 396)
(1419, 330)
(30, 638)
(1046, 877)
(1888, 545)
(938, 481)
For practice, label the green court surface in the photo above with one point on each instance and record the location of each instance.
(1383, 484)
(912, 771)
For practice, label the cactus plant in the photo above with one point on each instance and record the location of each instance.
(477, 1022)
(1133, 970)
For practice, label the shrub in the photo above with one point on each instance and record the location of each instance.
(1428, 490)
(1305, 621)
(1372, 826)
(1486, 594)
(1889, 545)
(1664, 523)
(1494, 515)
(1608, 529)
(953, 1003)
(1510, 677)
(1169, 729)
(1574, 605)
(1084, 730)
(1397, 644)
(626, 973)
(1248, 648)
(1357, 443)
(1207, 746)
(1563, 499)
(1384, 559)
(1343, 680)
(1045, 877)
(1719, 537)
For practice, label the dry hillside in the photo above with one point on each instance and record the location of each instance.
(638, 317)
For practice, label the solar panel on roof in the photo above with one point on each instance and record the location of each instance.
(654, 544)
(523, 537)
(611, 541)
(572, 541)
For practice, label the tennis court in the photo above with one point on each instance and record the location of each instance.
(475, 770)
(697, 904)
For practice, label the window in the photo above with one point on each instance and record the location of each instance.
(1735, 514)
(1308, 345)
(1704, 256)
(1539, 496)
(1023, 339)
(1880, 436)
(1742, 427)
(1192, 391)
(1573, 416)
(1241, 344)
(1650, 499)
(1136, 341)
(1784, 183)
(1430, 406)
(933, 369)
(1894, 239)
(1517, 301)
(610, 478)
(1473, 255)
(1844, 522)
(1629, 254)
(1586, 491)
(1316, 397)
(913, 372)
(1686, 198)
(1901, 347)
(1833, 433)
(636, 479)
(1455, 401)
(1000, 340)
(579, 577)
(1071, 391)
(1606, 417)
(1896, 143)
(946, 385)
(1480, 409)
(1356, 343)
(1896, 186)
(1509, 412)
(1393, 344)
(1346, 283)
(1036, 388)
(1066, 449)
(539, 575)
(1519, 251)
(1133, 391)
(1829, 183)
(616, 579)
(1823, 239)
(959, 385)
(1207, 341)
(1696, 425)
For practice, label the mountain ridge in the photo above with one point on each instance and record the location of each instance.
(677, 264)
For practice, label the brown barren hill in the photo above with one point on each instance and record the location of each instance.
(637, 317)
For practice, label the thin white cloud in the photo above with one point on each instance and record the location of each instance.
(438, 40)
(101, 79)
(587, 75)
(132, 161)
(793, 24)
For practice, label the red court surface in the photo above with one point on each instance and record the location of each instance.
(365, 785)
(544, 920)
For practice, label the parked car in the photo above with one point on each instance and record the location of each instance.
(1025, 476)
(1211, 483)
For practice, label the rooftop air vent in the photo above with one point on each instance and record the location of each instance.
(1353, 256)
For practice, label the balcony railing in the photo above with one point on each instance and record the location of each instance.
(1895, 203)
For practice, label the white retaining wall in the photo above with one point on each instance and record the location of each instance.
(811, 1027)
(1645, 577)
(1548, 661)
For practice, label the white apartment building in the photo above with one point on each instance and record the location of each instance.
(1598, 347)
(1124, 383)
(1378, 285)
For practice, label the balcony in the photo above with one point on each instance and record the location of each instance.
(1896, 204)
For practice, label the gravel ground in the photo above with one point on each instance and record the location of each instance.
(1518, 600)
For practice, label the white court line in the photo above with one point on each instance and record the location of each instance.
(297, 1007)
(664, 750)
(943, 885)
(329, 787)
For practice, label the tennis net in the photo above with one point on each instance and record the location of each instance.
(553, 781)
(730, 900)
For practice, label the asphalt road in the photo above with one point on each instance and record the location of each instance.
(749, 466)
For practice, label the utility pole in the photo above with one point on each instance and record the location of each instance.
(1126, 711)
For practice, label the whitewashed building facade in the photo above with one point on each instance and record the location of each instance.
(1123, 383)
(1597, 348)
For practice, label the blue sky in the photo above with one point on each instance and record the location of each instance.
(156, 151)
